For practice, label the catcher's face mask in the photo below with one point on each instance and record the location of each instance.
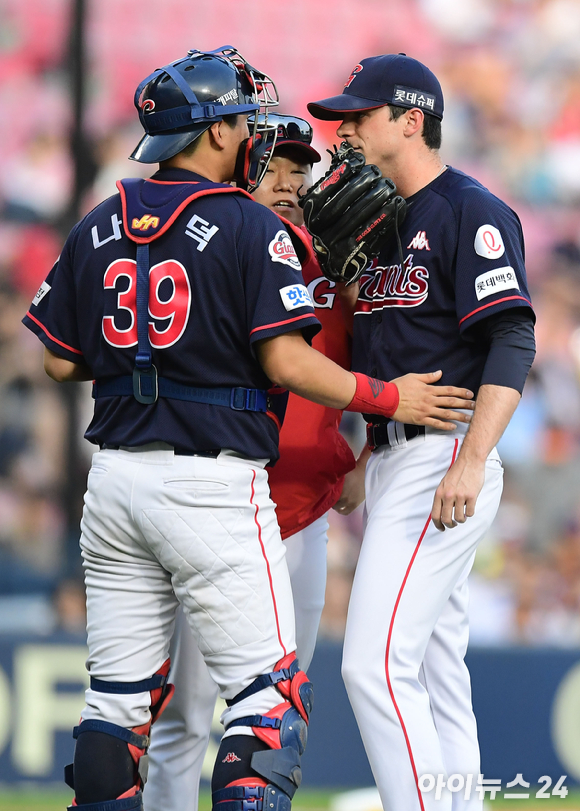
(254, 156)
(255, 153)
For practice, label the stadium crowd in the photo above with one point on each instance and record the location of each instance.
(510, 71)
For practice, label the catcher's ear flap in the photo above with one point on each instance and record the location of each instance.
(253, 159)
(243, 164)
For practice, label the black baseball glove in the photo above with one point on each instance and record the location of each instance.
(350, 213)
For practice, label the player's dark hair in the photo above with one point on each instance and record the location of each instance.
(431, 126)
(230, 120)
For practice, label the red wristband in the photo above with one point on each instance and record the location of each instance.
(374, 396)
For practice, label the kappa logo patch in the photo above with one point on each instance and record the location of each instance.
(419, 242)
(42, 291)
(282, 250)
(494, 281)
(294, 296)
(231, 758)
(489, 242)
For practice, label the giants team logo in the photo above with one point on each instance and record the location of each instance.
(147, 221)
(419, 242)
(282, 250)
(231, 758)
(352, 76)
(393, 286)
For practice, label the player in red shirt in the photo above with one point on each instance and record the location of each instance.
(316, 471)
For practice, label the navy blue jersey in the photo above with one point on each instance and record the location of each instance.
(223, 275)
(463, 255)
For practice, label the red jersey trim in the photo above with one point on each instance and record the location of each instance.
(368, 307)
(280, 323)
(174, 182)
(257, 522)
(52, 338)
(176, 213)
(400, 594)
(492, 303)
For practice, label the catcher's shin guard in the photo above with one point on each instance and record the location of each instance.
(110, 763)
(266, 768)
(131, 801)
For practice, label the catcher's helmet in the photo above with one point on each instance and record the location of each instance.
(180, 101)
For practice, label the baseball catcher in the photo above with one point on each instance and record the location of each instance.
(351, 212)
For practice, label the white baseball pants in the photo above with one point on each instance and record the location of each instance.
(179, 739)
(407, 627)
(159, 530)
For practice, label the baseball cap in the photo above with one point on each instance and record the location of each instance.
(295, 132)
(395, 79)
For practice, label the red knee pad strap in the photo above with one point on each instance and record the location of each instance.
(291, 688)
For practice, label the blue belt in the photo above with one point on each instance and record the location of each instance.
(237, 398)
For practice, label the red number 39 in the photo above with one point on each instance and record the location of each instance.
(174, 310)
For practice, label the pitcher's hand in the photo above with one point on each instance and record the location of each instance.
(457, 494)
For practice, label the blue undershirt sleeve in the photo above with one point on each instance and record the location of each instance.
(509, 335)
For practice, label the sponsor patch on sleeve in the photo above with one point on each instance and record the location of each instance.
(494, 281)
(282, 250)
(294, 296)
(489, 242)
(42, 291)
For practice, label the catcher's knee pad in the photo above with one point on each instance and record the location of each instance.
(110, 763)
(272, 771)
(289, 680)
